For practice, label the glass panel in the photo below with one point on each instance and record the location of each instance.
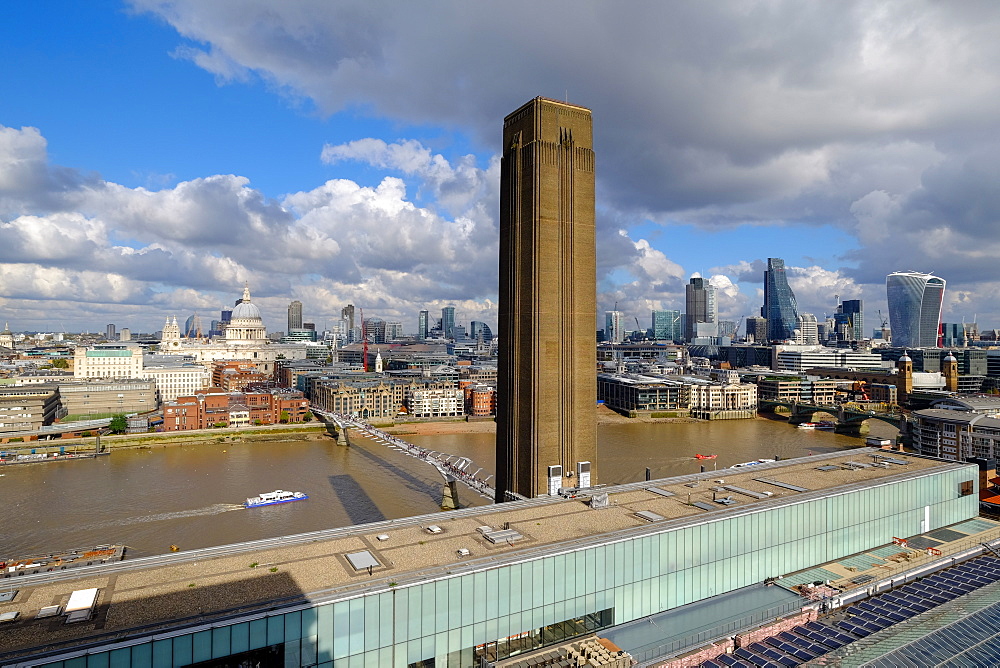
(341, 629)
(162, 654)
(142, 655)
(220, 642)
(258, 634)
(275, 630)
(324, 633)
(182, 651)
(239, 638)
(101, 660)
(293, 626)
(356, 641)
(201, 648)
(371, 622)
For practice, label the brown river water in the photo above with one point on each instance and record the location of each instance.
(190, 495)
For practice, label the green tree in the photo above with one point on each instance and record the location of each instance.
(283, 418)
(118, 424)
(60, 364)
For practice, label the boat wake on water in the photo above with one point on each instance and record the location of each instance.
(215, 509)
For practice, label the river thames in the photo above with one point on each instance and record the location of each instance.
(190, 495)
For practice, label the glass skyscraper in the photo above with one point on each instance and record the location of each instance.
(779, 302)
(448, 322)
(849, 320)
(667, 325)
(915, 302)
(699, 301)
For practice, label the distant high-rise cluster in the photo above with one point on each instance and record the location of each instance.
(915, 302)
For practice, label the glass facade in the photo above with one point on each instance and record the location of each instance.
(915, 302)
(504, 609)
(779, 302)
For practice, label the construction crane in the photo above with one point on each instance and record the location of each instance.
(638, 328)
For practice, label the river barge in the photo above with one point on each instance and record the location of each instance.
(60, 561)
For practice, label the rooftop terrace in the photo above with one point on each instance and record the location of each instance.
(187, 588)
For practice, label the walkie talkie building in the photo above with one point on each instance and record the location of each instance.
(915, 301)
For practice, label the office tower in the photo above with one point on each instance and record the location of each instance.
(547, 380)
(125, 334)
(225, 316)
(613, 328)
(756, 328)
(375, 330)
(807, 328)
(423, 325)
(779, 302)
(347, 313)
(393, 331)
(727, 328)
(849, 320)
(915, 302)
(699, 303)
(448, 322)
(111, 333)
(295, 315)
(480, 328)
(667, 325)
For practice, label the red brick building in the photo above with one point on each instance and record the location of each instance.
(480, 399)
(216, 407)
(236, 375)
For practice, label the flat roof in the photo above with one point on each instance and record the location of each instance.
(153, 594)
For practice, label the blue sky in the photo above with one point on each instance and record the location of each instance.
(156, 154)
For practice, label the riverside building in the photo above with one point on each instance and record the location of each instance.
(546, 425)
(485, 584)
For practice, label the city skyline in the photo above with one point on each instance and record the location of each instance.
(234, 149)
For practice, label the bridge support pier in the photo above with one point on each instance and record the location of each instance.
(342, 436)
(449, 498)
(858, 429)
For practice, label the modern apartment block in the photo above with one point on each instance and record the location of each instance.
(546, 423)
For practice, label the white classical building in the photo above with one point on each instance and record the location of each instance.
(244, 338)
(712, 401)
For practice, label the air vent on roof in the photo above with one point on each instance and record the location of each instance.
(649, 516)
(778, 483)
(704, 506)
(362, 560)
(891, 460)
(747, 492)
(857, 465)
(503, 536)
(661, 492)
(828, 467)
